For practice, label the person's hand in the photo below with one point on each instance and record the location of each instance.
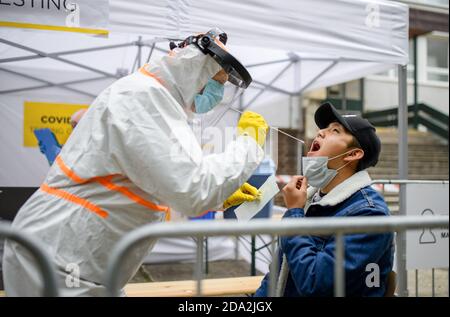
(245, 193)
(254, 125)
(294, 192)
(221, 76)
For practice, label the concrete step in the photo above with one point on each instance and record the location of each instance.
(413, 141)
(382, 174)
(418, 152)
(425, 168)
(424, 158)
(413, 149)
(390, 135)
(415, 146)
(410, 176)
(414, 164)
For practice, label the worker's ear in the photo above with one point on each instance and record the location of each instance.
(355, 155)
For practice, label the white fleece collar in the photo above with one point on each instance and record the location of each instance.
(342, 191)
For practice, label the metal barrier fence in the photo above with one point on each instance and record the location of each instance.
(318, 226)
(50, 288)
(401, 247)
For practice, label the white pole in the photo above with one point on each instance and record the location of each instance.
(402, 174)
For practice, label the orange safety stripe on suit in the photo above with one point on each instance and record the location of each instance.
(106, 182)
(74, 199)
(142, 70)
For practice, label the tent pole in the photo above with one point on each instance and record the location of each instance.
(302, 90)
(291, 102)
(268, 63)
(151, 52)
(270, 87)
(299, 102)
(402, 174)
(139, 52)
(59, 85)
(85, 50)
(63, 60)
(331, 59)
(158, 48)
(416, 84)
(269, 84)
(344, 97)
(50, 84)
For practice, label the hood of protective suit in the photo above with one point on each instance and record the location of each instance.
(184, 72)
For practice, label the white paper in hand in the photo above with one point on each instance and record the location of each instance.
(248, 210)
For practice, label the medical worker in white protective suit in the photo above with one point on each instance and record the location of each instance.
(131, 158)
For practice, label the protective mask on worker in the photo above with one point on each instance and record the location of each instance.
(211, 97)
(316, 170)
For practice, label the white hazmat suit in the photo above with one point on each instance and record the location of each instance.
(131, 158)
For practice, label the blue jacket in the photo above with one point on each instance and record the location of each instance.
(311, 258)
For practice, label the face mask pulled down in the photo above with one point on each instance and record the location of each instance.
(316, 170)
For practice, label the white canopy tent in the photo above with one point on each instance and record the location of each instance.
(290, 47)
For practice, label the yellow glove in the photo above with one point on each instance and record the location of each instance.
(253, 124)
(246, 193)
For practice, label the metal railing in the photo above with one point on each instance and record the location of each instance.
(399, 248)
(432, 119)
(400, 251)
(50, 288)
(305, 226)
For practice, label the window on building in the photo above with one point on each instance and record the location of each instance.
(347, 97)
(432, 63)
(437, 59)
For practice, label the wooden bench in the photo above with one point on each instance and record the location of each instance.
(210, 287)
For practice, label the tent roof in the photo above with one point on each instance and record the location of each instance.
(292, 46)
(366, 30)
(319, 42)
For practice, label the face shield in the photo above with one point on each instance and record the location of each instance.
(213, 43)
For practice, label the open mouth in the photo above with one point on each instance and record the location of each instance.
(315, 146)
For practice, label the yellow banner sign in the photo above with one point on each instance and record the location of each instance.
(81, 16)
(55, 116)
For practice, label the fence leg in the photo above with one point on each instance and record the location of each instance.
(199, 265)
(417, 283)
(432, 283)
(402, 174)
(236, 248)
(339, 272)
(206, 256)
(253, 264)
(273, 276)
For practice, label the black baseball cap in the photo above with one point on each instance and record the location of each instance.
(361, 129)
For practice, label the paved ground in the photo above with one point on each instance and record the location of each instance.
(185, 271)
(425, 283)
(232, 268)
